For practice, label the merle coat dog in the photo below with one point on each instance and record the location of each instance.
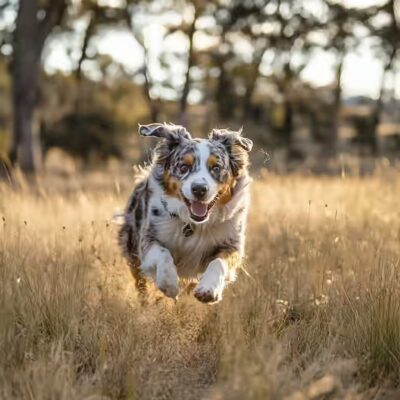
(186, 217)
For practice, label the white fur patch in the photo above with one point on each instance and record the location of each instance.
(169, 251)
(159, 265)
(212, 282)
(202, 175)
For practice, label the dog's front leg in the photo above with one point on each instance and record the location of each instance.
(159, 265)
(218, 272)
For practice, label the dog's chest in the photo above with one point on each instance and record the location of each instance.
(191, 245)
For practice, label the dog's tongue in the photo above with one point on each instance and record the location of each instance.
(198, 209)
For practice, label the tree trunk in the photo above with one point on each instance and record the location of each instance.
(153, 107)
(29, 38)
(186, 87)
(86, 39)
(25, 71)
(376, 117)
(332, 140)
(28, 149)
(288, 123)
(247, 104)
(224, 95)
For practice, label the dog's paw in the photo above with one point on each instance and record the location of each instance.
(207, 294)
(212, 283)
(209, 290)
(168, 281)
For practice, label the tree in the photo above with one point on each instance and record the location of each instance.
(225, 94)
(98, 16)
(189, 29)
(281, 27)
(186, 27)
(340, 37)
(230, 17)
(6, 32)
(388, 51)
(35, 21)
(138, 33)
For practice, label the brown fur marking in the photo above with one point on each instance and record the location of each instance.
(188, 159)
(226, 190)
(140, 283)
(172, 185)
(240, 159)
(212, 160)
(232, 258)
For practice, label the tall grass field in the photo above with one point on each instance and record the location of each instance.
(314, 314)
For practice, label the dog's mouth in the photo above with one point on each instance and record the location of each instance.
(198, 210)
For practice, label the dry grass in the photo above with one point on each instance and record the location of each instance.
(317, 315)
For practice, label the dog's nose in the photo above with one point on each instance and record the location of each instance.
(199, 190)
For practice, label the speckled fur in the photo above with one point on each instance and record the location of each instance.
(157, 220)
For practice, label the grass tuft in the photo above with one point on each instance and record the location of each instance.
(316, 314)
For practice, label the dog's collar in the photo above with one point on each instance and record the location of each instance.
(188, 228)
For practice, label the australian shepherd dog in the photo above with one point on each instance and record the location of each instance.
(186, 217)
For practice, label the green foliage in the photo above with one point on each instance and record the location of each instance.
(87, 119)
(85, 135)
(241, 62)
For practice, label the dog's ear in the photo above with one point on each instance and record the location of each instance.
(237, 147)
(231, 138)
(173, 136)
(171, 133)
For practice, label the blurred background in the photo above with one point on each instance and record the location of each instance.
(313, 82)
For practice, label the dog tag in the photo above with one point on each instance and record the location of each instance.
(187, 230)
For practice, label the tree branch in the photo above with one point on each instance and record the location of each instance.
(54, 15)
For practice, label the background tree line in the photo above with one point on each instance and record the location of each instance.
(235, 62)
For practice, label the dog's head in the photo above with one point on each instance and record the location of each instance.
(200, 173)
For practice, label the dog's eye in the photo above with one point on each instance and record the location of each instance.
(216, 169)
(184, 168)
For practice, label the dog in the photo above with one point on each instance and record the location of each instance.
(186, 217)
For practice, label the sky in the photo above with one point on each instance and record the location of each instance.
(362, 71)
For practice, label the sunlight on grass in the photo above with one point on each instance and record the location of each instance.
(317, 313)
